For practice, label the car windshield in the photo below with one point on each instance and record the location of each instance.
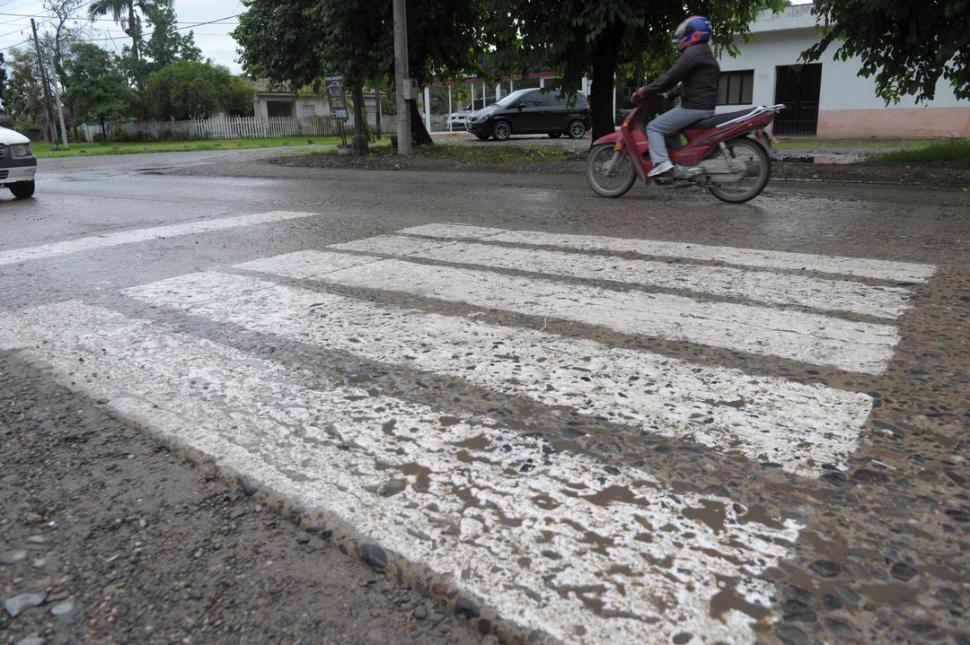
(512, 98)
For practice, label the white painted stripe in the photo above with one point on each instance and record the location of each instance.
(809, 338)
(16, 256)
(549, 539)
(798, 426)
(760, 258)
(757, 286)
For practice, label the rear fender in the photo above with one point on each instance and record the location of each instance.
(611, 138)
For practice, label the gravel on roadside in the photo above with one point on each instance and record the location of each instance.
(107, 536)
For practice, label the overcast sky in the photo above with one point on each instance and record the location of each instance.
(212, 39)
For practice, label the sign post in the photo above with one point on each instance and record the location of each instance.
(338, 105)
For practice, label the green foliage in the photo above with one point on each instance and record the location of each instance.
(301, 40)
(166, 45)
(567, 35)
(192, 90)
(907, 45)
(579, 38)
(96, 85)
(23, 98)
(125, 13)
(3, 76)
(279, 41)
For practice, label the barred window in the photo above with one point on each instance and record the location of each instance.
(735, 88)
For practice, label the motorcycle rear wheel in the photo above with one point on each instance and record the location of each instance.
(620, 177)
(756, 175)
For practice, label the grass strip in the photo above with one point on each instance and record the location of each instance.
(941, 154)
(46, 151)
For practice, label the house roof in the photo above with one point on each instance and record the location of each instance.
(791, 18)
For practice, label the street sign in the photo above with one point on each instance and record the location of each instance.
(338, 98)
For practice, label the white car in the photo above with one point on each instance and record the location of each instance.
(18, 165)
(458, 120)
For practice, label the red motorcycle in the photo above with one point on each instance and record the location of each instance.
(730, 150)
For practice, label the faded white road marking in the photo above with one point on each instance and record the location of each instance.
(805, 337)
(758, 286)
(798, 426)
(550, 540)
(15, 256)
(861, 267)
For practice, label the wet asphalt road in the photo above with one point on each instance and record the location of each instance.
(880, 552)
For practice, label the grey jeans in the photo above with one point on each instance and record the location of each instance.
(669, 122)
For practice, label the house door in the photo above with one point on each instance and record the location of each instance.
(798, 87)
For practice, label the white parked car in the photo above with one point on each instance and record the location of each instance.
(18, 165)
(458, 120)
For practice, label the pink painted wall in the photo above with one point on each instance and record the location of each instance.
(895, 123)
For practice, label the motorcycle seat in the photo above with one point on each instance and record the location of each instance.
(716, 120)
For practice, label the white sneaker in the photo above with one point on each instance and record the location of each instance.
(666, 166)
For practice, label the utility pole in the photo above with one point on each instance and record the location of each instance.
(43, 80)
(60, 117)
(402, 80)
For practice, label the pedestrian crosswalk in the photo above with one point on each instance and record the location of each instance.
(98, 242)
(544, 537)
(800, 427)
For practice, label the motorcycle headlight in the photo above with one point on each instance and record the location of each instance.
(20, 151)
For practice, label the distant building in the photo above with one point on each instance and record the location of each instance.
(827, 98)
(279, 101)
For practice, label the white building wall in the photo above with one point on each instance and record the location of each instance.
(848, 104)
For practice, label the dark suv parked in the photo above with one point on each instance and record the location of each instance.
(532, 112)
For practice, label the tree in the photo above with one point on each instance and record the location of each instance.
(96, 85)
(166, 45)
(3, 79)
(193, 90)
(23, 98)
(125, 13)
(597, 37)
(907, 45)
(58, 42)
(302, 40)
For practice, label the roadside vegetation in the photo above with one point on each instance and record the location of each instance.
(940, 154)
(472, 153)
(46, 151)
(158, 74)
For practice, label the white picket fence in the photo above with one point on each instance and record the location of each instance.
(218, 128)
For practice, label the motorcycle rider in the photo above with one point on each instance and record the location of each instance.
(694, 76)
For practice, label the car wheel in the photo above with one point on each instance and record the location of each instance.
(577, 130)
(502, 130)
(555, 135)
(22, 189)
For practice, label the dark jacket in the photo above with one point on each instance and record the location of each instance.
(698, 70)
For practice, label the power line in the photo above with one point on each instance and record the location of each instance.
(28, 15)
(125, 37)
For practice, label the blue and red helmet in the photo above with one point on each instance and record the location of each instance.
(696, 29)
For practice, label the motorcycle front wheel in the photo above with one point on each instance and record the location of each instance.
(753, 171)
(609, 171)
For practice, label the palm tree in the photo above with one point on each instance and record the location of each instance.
(124, 13)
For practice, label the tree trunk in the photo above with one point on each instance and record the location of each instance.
(359, 141)
(418, 131)
(604, 74)
(134, 32)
